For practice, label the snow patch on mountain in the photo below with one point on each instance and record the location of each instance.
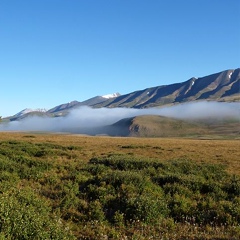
(113, 95)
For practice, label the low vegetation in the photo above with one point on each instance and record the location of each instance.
(76, 187)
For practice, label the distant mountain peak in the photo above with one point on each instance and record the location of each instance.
(73, 102)
(29, 110)
(113, 95)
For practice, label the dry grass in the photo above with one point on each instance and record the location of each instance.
(212, 151)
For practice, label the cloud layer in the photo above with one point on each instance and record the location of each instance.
(78, 120)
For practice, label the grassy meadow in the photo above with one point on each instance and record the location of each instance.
(55, 186)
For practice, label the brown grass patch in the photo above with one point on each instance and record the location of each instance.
(212, 151)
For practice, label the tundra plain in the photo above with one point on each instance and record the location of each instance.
(82, 187)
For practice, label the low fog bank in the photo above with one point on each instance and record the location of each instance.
(94, 121)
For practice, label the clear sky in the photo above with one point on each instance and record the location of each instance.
(57, 51)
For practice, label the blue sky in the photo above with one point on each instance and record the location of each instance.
(56, 51)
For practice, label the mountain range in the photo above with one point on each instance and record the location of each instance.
(222, 86)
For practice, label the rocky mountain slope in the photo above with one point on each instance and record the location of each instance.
(222, 86)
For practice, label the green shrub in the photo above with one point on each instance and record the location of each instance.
(23, 215)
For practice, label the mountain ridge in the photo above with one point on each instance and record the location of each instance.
(221, 86)
(88, 102)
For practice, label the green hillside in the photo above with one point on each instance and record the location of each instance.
(158, 126)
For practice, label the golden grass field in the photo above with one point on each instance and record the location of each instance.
(225, 152)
